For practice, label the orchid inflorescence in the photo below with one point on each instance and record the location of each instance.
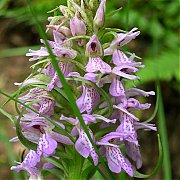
(96, 72)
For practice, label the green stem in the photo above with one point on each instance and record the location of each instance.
(164, 139)
(161, 117)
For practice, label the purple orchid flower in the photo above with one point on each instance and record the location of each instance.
(30, 164)
(121, 40)
(65, 67)
(31, 123)
(37, 54)
(84, 146)
(119, 59)
(127, 127)
(94, 51)
(45, 105)
(138, 92)
(116, 160)
(88, 100)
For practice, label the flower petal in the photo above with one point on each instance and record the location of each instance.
(112, 158)
(88, 100)
(97, 64)
(116, 88)
(46, 145)
(132, 150)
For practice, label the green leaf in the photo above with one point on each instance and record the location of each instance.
(158, 165)
(88, 172)
(13, 119)
(55, 172)
(112, 13)
(16, 51)
(55, 162)
(77, 37)
(164, 138)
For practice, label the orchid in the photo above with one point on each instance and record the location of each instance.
(96, 75)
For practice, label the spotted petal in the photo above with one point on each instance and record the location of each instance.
(88, 100)
(135, 104)
(120, 71)
(38, 54)
(116, 161)
(84, 146)
(138, 92)
(97, 64)
(116, 88)
(29, 164)
(46, 146)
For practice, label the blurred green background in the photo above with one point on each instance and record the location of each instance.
(158, 45)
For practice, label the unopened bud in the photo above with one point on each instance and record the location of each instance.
(77, 26)
(100, 15)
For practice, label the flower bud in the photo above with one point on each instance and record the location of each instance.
(100, 16)
(77, 26)
(63, 29)
(93, 47)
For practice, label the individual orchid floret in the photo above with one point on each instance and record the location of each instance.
(44, 106)
(135, 104)
(124, 70)
(145, 126)
(65, 31)
(37, 54)
(97, 64)
(65, 67)
(93, 47)
(116, 160)
(119, 59)
(100, 16)
(78, 28)
(84, 146)
(138, 92)
(127, 127)
(88, 100)
(30, 165)
(30, 124)
(121, 40)
(132, 150)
